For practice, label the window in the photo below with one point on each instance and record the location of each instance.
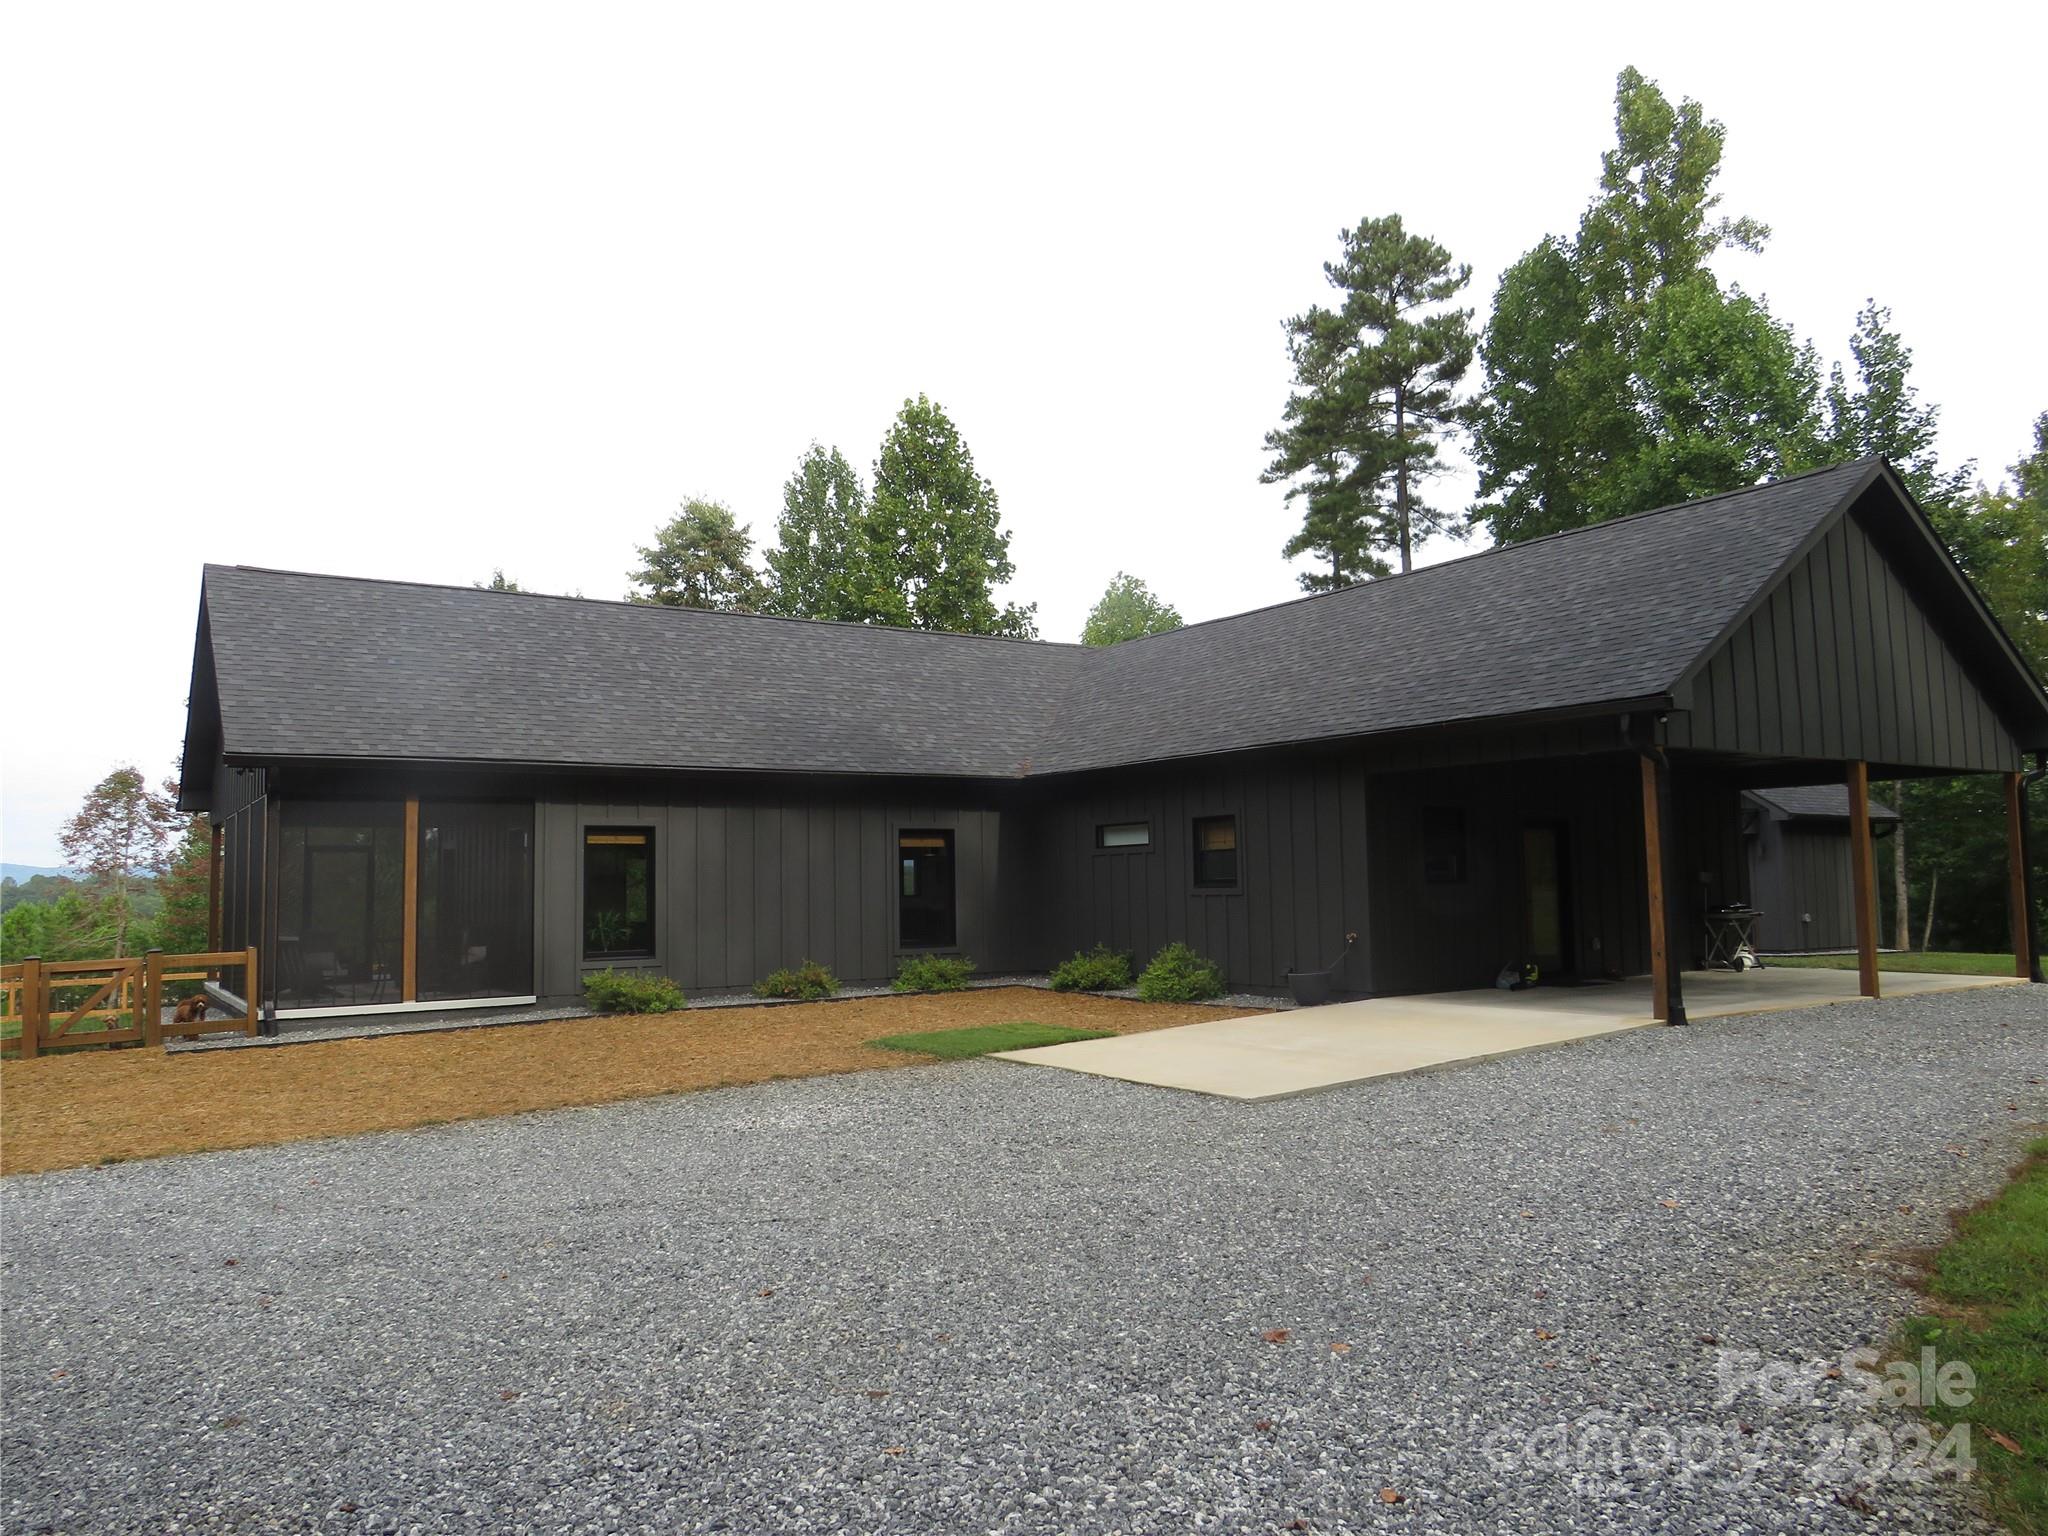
(1124, 834)
(925, 895)
(1215, 851)
(1443, 845)
(618, 893)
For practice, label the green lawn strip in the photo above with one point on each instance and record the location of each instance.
(1991, 1283)
(1934, 962)
(959, 1044)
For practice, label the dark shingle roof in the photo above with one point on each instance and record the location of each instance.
(1828, 802)
(1612, 612)
(338, 667)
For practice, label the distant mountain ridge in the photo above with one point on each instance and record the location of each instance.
(30, 871)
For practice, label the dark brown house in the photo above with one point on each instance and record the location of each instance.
(430, 797)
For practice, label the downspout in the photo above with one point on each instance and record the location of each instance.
(2028, 916)
(1644, 740)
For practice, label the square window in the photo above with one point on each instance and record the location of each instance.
(1124, 834)
(1215, 852)
(618, 893)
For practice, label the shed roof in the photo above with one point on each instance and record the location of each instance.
(348, 668)
(1816, 802)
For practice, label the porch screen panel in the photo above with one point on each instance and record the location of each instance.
(241, 888)
(341, 903)
(476, 900)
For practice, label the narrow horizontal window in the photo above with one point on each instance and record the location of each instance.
(1215, 851)
(1124, 834)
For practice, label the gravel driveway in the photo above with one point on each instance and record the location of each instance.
(989, 1297)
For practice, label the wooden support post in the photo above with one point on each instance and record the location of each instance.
(149, 1003)
(409, 943)
(32, 996)
(1863, 877)
(2016, 864)
(252, 1010)
(1660, 925)
(213, 892)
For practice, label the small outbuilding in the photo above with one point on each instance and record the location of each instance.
(1801, 878)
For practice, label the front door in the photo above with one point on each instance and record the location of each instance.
(1546, 898)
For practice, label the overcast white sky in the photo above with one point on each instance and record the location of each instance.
(419, 290)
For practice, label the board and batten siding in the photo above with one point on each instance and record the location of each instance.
(1448, 935)
(1842, 663)
(1301, 846)
(1799, 871)
(747, 885)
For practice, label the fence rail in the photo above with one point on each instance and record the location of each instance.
(71, 1003)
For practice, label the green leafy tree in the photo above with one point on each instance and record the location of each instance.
(933, 549)
(499, 582)
(701, 558)
(182, 926)
(1882, 414)
(2009, 540)
(1126, 611)
(1619, 373)
(1375, 380)
(115, 840)
(818, 568)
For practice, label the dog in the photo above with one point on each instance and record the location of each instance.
(191, 1011)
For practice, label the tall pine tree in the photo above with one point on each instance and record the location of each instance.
(1375, 382)
(700, 558)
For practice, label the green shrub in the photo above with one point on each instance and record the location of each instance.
(934, 973)
(1100, 969)
(1178, 975)
(631, 992)
(807, 983)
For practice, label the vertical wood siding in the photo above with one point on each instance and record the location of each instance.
(1301, 835)
(1842, 663)
(748, 884)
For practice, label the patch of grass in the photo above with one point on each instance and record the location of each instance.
(1990, 1286)
(1933, 962)
(959, 1044)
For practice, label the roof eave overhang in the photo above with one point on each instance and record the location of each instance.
(1619, 709)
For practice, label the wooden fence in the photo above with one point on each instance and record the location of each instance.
(72, 1003)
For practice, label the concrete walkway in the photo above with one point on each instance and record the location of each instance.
(1275, 1056)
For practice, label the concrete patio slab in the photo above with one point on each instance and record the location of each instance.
(1274, 1056)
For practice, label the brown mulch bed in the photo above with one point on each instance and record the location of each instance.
(109, 1106)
